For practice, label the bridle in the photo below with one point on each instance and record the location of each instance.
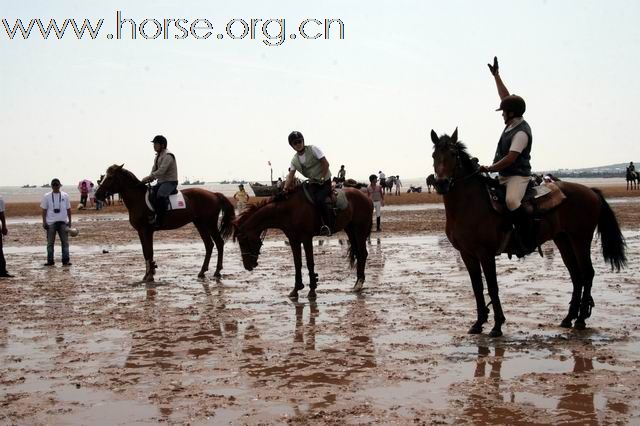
(458, 165)
(255, 256)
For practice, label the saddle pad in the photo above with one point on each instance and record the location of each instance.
(341, 202)
(176, 202)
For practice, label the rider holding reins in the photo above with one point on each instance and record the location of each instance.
(165, 170)
(312, 164)
(512, 160)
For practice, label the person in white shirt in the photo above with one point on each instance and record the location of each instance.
(3, 263)
(56, 218)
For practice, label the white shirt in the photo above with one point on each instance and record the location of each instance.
(1, 205)
(520, 139)
(303, 158)
(52, 201)
(382, 176)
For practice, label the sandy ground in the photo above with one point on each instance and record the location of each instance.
(90, 344)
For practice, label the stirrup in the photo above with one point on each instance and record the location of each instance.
(325, 231)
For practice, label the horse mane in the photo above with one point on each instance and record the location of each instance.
(252, 208)
(116, 168)
(468, 162)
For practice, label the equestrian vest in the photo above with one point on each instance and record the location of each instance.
(312, 168)
(522, 165)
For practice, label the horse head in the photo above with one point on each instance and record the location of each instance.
(445, 160)
(116, 180)
(249, 237)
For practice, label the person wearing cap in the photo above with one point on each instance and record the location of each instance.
(311, 162)
(241, 197)
(512, 161)
(375, 193)
(4, 231)
(56, 218)
(165, 171)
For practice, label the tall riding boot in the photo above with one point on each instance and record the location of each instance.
(524, 238)
(328, 221)
(378, 224)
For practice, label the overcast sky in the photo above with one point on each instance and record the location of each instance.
(71, 108)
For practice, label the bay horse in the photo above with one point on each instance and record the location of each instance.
(297, 218)
(202, 209)
(476, 230)
(633, 179)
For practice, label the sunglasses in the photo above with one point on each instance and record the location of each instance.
(298, 142)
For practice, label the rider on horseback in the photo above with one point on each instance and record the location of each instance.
(165, 170)
(313, 165)
(632, 168)
(512, 161)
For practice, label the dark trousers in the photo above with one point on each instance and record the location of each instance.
(320, 192)
(83, 199)
(59, 228)
(3, 263)
(162, 192)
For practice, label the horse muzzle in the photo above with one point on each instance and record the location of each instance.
(442, 185)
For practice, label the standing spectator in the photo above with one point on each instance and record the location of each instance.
(83, 187)
(92, 195)
(342, 174)
(398, 185)
(241, 197)
(376, 194)
(280, 184)
(5, 231)
(56, 218)
(383, 180)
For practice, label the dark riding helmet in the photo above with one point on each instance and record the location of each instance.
(161, 140)
(514, 104)
(295, 136)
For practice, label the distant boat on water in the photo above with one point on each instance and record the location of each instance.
(233, 182)
(28, 186)
(262, 190)
(46, 185)
(195, 182)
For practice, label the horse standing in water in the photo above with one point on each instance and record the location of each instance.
(477, 231)
(202, 209)
(633, 179)
(294, 215)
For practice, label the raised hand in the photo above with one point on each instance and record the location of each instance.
(494, 68)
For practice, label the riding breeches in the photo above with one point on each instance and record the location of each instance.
(516, 187)
(163, 190)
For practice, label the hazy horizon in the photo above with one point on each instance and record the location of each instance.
(73, 107)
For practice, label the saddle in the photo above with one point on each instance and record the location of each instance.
(337, 199)
(537, 200)
(174, 202)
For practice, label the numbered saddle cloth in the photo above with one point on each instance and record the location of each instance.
(176, 201)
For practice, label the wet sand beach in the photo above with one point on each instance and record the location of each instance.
(91, 344)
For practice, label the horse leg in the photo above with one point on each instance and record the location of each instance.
(358, 243)
(313, 277)
(475, 273)
(569, 259)
(297, 263)
(208, 245)
(582, 249)
(217, 238)
(146, 239)
(489, 268)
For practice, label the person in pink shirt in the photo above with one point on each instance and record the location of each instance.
(376, 194)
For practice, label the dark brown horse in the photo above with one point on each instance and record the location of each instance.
(431, 182)
(202, 209)
(476, 230)
(298, 219)
(633, 179)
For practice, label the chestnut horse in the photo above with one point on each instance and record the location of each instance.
(476, 230)
(202, 209)
(294, 215)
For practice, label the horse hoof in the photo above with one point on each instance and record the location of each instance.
(580, 325)
(201, 275)
(495, 332)
(217, 274)
(293, 295)
(475, 329)
(566, 323)
(312, 295)
(358, 286)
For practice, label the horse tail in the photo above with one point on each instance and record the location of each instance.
(228, 216)
(613, 244)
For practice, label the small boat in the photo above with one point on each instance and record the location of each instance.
(261, 190)
(195, 182)
(46, 185)
(28, 186)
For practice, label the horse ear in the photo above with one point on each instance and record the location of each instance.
(434, 137)
(454, 136)
(120, 166)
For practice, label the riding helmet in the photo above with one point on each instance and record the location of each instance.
(295, 136)
(514, 104)
(161, 140)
